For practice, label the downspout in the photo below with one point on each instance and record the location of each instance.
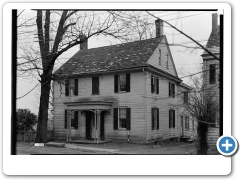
(145, 105)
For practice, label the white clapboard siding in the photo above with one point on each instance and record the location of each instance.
(154, 59)
(212, 136)
(164, 103)
(133, 99)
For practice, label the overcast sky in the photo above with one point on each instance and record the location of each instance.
(196, 24)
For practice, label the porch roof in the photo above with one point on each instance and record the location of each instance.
(103, 105)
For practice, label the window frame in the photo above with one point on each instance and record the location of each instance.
(212, 73)
(171, 90)
(167, 63)
(119, 82)
(122, 128)
(172, 119)
(185, 97)
(155, 117)
(154, 84)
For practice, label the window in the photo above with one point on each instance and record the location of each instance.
(171, 89)
(167, 61)
(155, 118)
(122, 118)
(212, 73)
(185, 97)
(160, 56)
(73, 115)
(95, 85)
(71, 87)
(122, 83)
(154, 85)
(171, 118)
(186, 123)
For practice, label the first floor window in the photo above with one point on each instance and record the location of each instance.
(122, 118)
(155, 118)
(73, 119)
(186, 123)
(193, 126)
(171, 118)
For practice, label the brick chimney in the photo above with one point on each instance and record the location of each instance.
(159, 27)
(83, 45)
(214, 23)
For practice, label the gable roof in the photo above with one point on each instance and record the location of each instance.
(110, 58)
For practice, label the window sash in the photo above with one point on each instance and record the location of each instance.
(122, 120)
(122, 82)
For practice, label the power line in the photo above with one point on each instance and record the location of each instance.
(28, 92)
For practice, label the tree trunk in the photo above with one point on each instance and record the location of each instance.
(202, 144)
(41, 136)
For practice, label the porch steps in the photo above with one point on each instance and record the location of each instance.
(184, 138)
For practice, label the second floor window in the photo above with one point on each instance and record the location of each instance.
(160, 54)
(154, 85)
(212, 73)
(185, 97)
(71, 87)
(122, 83)
(95, 85)
(171, 90)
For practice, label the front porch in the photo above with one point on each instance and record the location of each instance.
(94, 127)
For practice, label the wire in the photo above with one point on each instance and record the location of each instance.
(28, 92)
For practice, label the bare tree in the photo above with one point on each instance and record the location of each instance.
(203, 107)
(57, 32)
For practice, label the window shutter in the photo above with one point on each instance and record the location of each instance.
(116, 83)
(127, 82)
(173, 112)
(152, 118)
(128, 116)
(157, 118)
(152, 83)
(65, 120)
(170, 118)
(115, 119)
(75, 87)
(157, 85)
(95, 85)
(169, 89)
(75, 119)
(67, 88)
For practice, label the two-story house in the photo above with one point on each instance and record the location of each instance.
(211, 74)
(126, 92)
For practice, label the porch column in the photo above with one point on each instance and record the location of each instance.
(69, 115)
(98, 113)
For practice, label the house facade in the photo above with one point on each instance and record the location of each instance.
(129, 92)
(211, 75)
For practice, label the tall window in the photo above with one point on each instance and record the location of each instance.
(185, 97)
(122, 118)
(186, 123)
(155, 118)
(171, 118)
(71, 87)
(95, 85)
(154, 85)
(72, 118)
(171, 89)
(193, 126)
(122, 83)
(212, 73)
(160, 54)
(167, 61)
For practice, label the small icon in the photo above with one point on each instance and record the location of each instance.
(227, 145)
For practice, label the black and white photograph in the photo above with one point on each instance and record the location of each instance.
(111, 83)
(118, 82)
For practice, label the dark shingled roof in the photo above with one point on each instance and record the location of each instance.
(214, 39)
(110, 58)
